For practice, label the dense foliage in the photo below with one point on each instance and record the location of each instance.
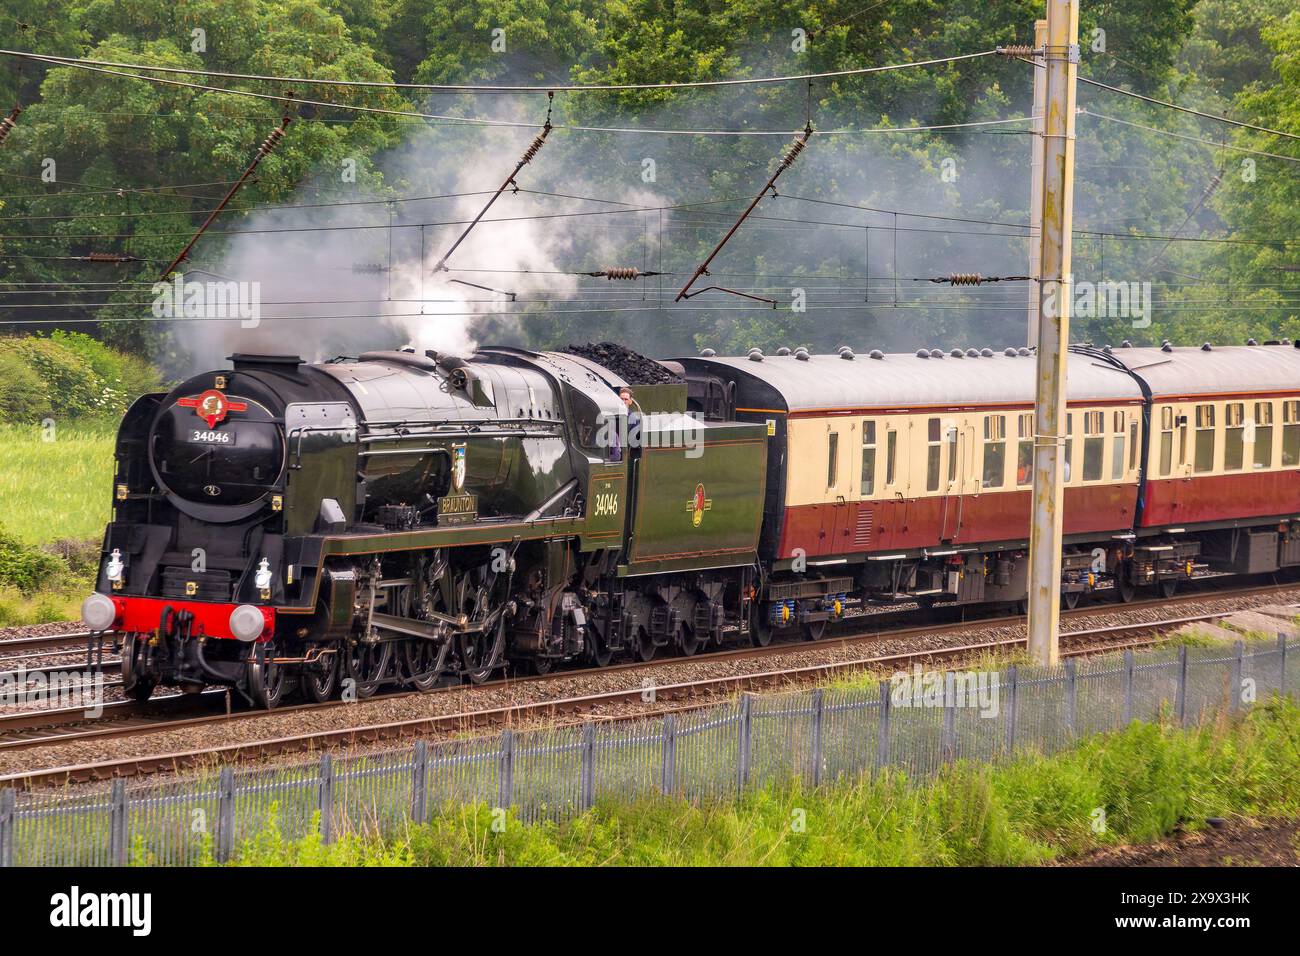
(139, 164)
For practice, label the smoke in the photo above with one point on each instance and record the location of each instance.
(342, 271)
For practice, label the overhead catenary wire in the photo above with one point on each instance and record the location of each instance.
(491, 88)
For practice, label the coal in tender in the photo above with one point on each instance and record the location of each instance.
(632, 367)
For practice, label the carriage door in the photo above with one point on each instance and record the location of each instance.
(947, 438)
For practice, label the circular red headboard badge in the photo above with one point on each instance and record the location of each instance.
(212, 406)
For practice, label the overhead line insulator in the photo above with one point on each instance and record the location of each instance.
(621, 272)
(9, 122)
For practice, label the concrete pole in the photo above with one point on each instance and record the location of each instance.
(1036, 178)
(1053, 330)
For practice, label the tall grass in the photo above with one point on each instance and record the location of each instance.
(56, 489)
(1133, 786)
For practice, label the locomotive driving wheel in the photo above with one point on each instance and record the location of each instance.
(366, 664)
(137, 682)
(422, 660)
(481, 644)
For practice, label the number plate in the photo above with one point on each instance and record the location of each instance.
(204, 437)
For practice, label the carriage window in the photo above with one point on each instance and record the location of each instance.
(1166, 441)
(868, 458)
(995, 450)
(1263, 434)
(1132, 444)
(1094, 445)
(891, 453)
(1234, 436)
(832, 458)
(1069, 445)
(1025, 450)
(933, 452)
(1290, 434)
(1204, 438)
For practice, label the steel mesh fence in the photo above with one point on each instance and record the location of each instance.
(915, 723)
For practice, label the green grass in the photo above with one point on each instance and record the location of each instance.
(1133, 786)
(55, 490)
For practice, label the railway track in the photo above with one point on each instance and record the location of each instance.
(127, 719)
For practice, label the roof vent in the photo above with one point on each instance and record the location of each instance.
(801, 354)
(936, 353)
(1273, 342)
(877, 354)
(756, 355)
(846, 353)
(972, 353)
(922, 353)
(1166, 342)
(1207, 347)
(1009, 352)
(707, 353)
(1126, 344)
(1251, 342)
(986, 353)
(1166, 347)
(1107, 349)
(1023, 351)
(957, 353)
(783, 351)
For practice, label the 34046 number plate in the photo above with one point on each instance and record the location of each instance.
(202, 436)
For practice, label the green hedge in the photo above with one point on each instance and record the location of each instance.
(68, 376)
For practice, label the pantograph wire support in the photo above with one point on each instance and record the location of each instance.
(786, 162)
(268, 145)
(533, 148)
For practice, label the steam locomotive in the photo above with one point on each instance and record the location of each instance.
(405, 519)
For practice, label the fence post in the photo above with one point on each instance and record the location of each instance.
(225, 814)
(1013, 683)
(587, 769)
(1071, 697)
(1182, 684)
(1128, 686)
(743, 729)
(882, 735)
(419, 782)
(117, 828)
(326, 798)
(668, 774)
(8, 801)
(505, 795)
(1234, 692)
(948, 738)
(818, 711)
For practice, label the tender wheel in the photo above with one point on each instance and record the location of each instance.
(1167, 587)
(137, 683)
(366, 666)
(1070, 599)
(760, 632)
(813, 631)
(266, 680)
(687, 641)
(597, 652)
(645, 646)
(320, 680)
(1124, 587)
